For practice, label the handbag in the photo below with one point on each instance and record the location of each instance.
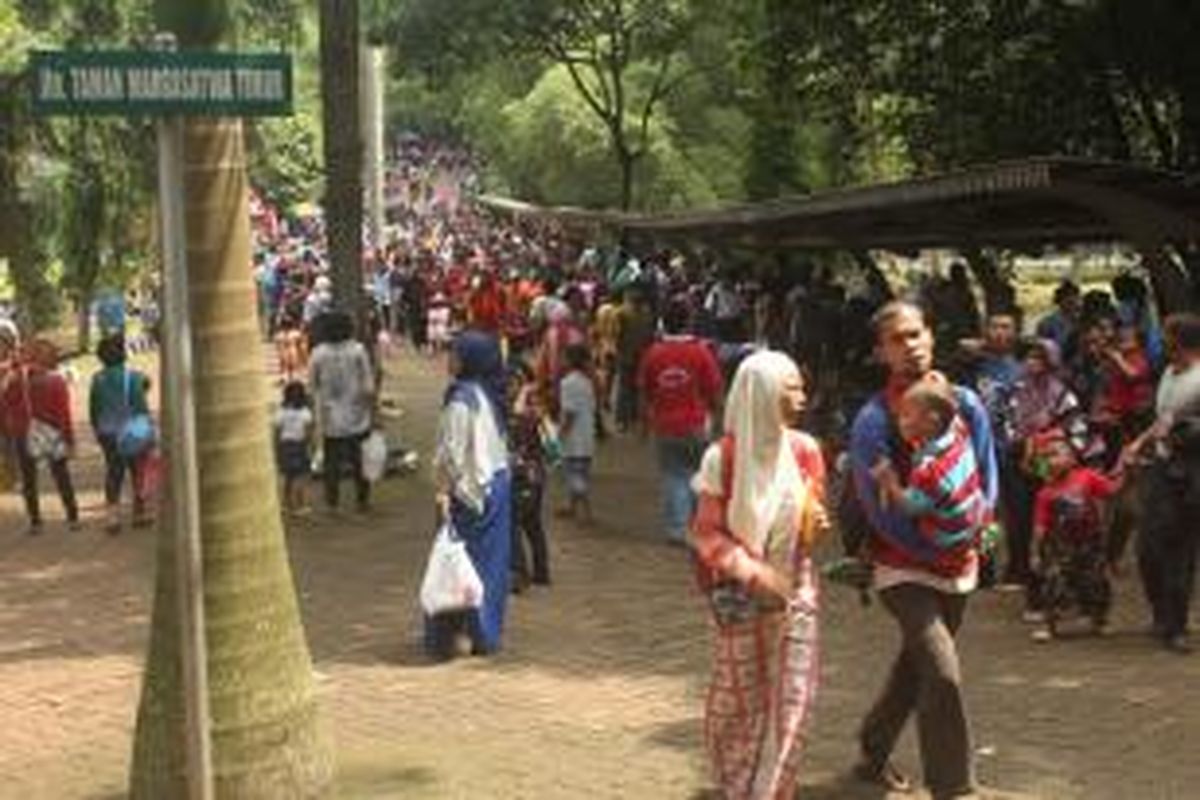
(451, 582)
(45, 442)
(374, 456)
(732, 603)
(551, 441)
(136, 435)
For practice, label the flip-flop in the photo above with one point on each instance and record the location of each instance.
(884, 775)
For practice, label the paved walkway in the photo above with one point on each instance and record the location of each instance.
(597, 694)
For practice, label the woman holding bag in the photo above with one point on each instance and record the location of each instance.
(119, 397)
(37, 420)
(474, 491)
(761, 494)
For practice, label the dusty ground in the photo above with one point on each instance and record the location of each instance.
(597, 694)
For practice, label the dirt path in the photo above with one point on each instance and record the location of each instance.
(597, 694)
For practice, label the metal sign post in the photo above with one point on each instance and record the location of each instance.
(185, 483)
(170, 85)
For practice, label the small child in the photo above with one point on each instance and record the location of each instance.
(1069, 556)
(291, 344)
(529, 479)
(944, 493)
(577, 404)
(439, 319)
(294, 425)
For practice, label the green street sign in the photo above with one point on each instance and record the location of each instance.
(154, 83)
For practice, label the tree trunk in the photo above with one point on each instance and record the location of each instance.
(998, 293)
(343, 153)
(878, 282)
(627, 163)
(83, 323)
(266, 736)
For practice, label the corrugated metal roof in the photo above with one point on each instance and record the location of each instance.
(1039, 200)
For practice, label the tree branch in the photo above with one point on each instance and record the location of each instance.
(657, 92)
(559, 54)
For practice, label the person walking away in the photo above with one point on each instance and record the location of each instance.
(925, 589)
(473, 482)
(294, 431)
(679, 383)
(291, 347)
(529, 479)
(343, 384)
(117, 394)
(381, 290)
(1069, 554)
(37, 420)
(635, 333)
(605, 329)
(725, 306)
(1169, 534)
(577, 404)
(761, 509)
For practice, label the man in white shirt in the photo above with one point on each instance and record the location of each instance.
(1169, 534)
(725, 306)
(343, 385)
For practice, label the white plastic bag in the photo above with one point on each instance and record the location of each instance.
(451, 582)
(374, 456)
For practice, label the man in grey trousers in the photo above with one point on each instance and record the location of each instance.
(924, 587)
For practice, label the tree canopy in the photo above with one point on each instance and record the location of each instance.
(765, 97)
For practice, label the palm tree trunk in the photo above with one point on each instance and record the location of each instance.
(267, 740)
(343, 145)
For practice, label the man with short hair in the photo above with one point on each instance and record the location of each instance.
(1061, 326)
(679, 382)
(1169, 533)
(994, 371)
(923, 588)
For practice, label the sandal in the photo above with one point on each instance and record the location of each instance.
(885, 775)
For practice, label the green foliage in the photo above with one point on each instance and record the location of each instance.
(285, 158)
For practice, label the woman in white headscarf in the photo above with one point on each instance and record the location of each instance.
(761, 492)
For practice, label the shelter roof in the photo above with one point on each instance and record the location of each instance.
(1040, 201)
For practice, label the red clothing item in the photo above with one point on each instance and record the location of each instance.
(680, 380)
(1082, 487)
(487, 309)
(1123, 394)
(33, 392)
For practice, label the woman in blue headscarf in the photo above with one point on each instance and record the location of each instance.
(473, 484)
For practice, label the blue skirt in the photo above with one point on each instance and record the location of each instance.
(488, 537)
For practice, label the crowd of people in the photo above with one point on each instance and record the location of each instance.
(942, 426)
(37, 428)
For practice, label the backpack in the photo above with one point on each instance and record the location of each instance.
(136, 435)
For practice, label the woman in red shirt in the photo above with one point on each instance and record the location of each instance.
(36, 408)
(1125, 404)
